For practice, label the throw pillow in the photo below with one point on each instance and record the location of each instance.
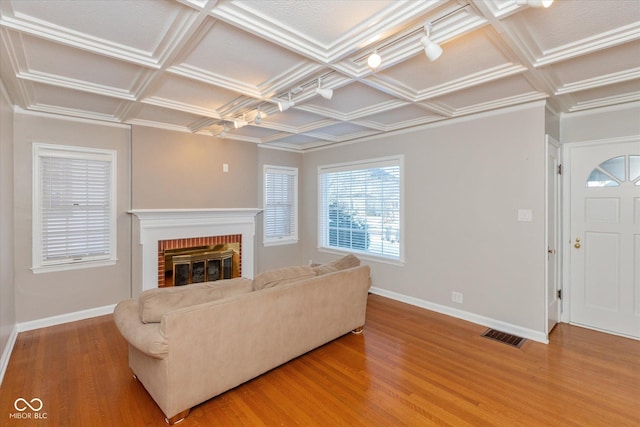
(347, 261)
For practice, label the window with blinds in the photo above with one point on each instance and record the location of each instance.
(360, 207)
(74, 221)
(280, 205)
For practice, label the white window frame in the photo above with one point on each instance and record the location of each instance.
(292, 236)
(323, 227)
(39, 263)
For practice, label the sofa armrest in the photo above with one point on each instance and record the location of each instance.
(146, 337)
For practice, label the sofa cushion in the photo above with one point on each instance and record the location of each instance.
(347, 261)
(154, 303)
(281, 276)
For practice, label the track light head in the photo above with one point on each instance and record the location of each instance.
(374, 60)
(286, 104)
(324, 92)
(238, 123)
(224, 131)
(258, 119)
(431, 48)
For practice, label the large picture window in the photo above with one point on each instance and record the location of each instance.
(280, 205)
(74, 221)
(360, 207)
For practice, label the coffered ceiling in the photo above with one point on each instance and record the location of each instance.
(198, 65)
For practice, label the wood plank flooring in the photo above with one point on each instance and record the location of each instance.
(411, 367)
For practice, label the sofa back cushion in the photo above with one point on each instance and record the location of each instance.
(154, 303)
(347, 261)
(281, 276)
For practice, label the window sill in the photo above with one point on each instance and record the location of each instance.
(364, 256)
(72, 266)
(280, 242)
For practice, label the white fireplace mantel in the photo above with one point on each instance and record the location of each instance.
(167, 224)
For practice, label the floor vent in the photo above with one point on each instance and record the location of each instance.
(503, 337)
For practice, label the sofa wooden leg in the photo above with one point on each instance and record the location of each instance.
(178, 418)
(358, 330)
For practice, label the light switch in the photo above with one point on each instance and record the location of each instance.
(225, 167)
(525, 215)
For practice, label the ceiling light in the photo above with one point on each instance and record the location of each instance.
(258, 119)
(286, 104)
(536, 3)
(224, 131)
(238, 123)
(431, 48)
(374, 60)
(324, 92)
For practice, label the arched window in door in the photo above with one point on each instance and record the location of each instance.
(615, 171)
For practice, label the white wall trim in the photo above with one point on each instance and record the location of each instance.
(6, 354)
(65, 318)
(465, 315)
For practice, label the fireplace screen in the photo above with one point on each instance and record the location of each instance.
(199, 264)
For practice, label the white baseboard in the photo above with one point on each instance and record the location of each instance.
(6, 354)
(465, 315)
(65, 318)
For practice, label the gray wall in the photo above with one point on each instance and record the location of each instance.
(38, 296)
(280, 255)
(604, 123)
(464, 183)
(7, 305)
(182, 170)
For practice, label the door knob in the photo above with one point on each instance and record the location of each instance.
(577, 244)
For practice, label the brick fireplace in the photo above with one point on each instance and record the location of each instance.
(186, 226)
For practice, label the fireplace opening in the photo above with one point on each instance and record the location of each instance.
(205, 259)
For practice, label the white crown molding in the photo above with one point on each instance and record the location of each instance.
(501, 103)
(599, 81)
(181, 106)
(71, 118)
(590, 44)
(605, 102)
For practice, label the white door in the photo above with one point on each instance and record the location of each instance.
(553, 227)
(605, 237)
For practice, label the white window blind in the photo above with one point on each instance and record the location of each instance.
(280, 205)
(74, 205)
(360, 207)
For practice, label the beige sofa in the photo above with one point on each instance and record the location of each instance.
(188, 344)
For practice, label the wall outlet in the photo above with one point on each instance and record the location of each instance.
(456, 297)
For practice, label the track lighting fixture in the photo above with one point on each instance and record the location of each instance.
(286, 104)
(224, 131)
(431, 48)
(238, 123)
(258, 119)
(535, 3)
(374, 60)
(324, 92)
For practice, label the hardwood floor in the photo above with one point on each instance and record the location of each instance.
(410, 367)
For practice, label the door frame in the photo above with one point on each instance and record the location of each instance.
(557, 244)
(566, 213)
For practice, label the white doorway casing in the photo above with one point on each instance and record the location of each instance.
(167, 224)
(553, 262)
